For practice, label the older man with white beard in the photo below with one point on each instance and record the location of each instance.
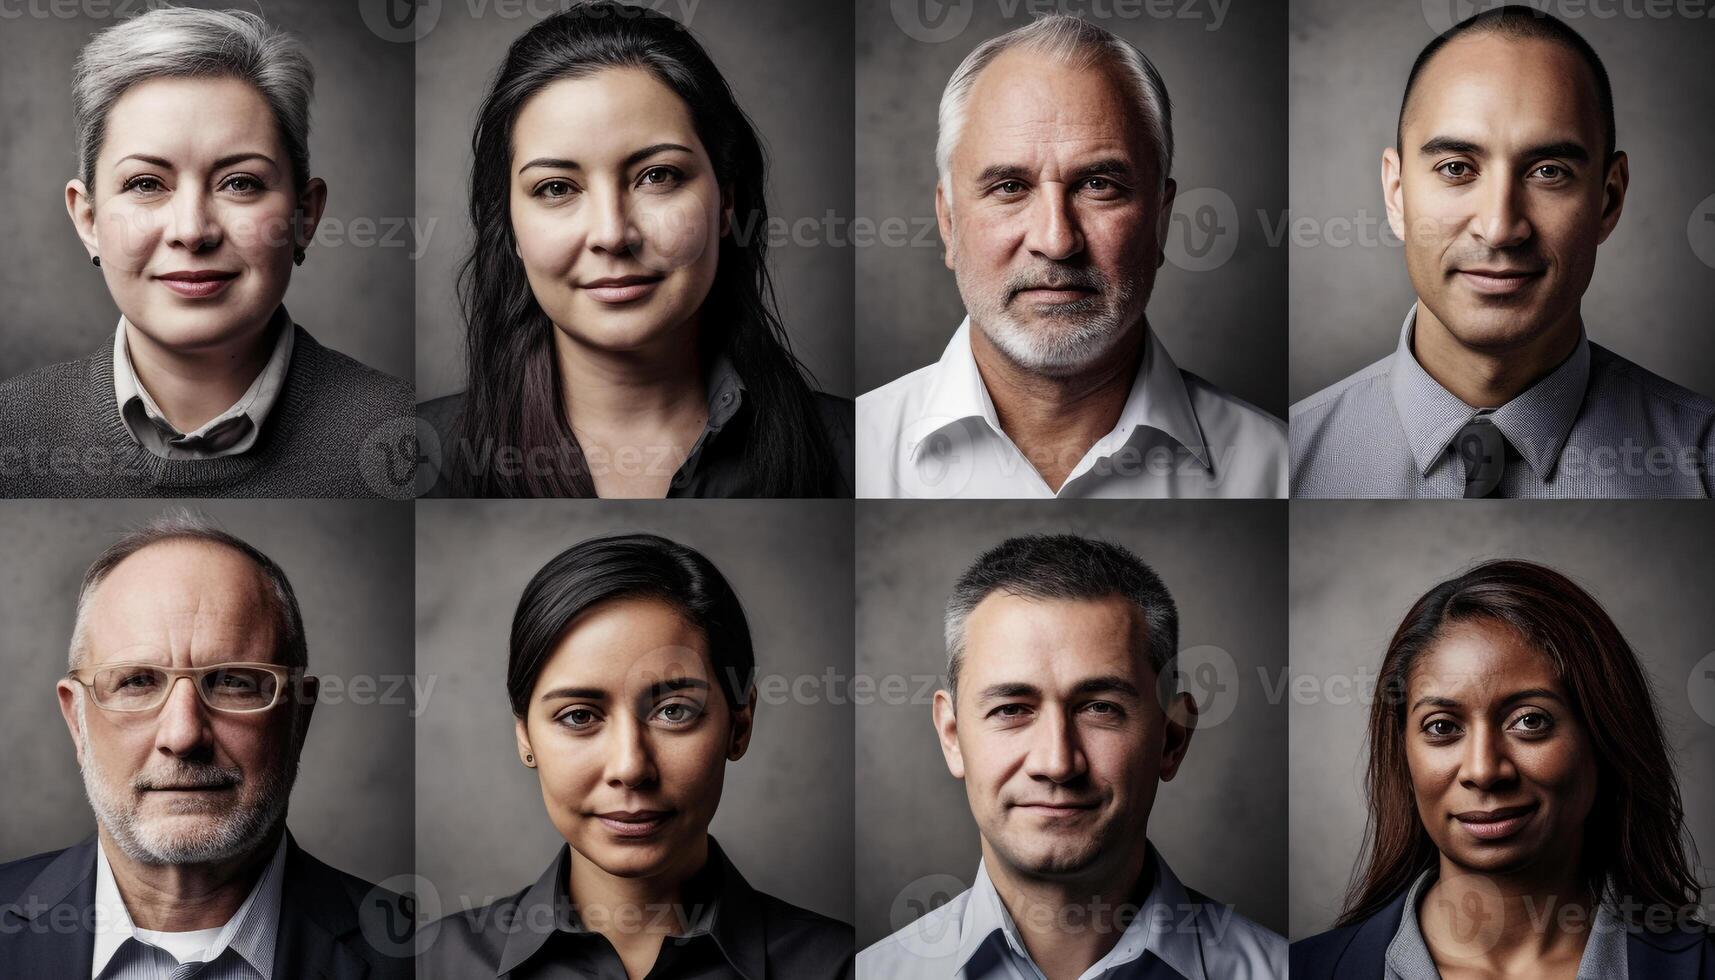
(1054, 196)
(188, 705)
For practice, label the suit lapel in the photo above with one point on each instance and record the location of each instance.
(1677, 955)
(58, 936)
(315, 917)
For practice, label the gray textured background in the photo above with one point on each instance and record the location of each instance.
(1228, 88)
(1358, 566)
(350, 565)
(788, 63)
(1650, 300)
(786, 812)
(1220, 823)
(353, 292)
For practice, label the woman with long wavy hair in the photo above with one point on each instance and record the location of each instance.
(622, 338)
(1524, 818)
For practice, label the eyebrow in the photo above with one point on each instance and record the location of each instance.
(225, 161)
(1091, 685)
(655, 690)
(560, 163)
(1565, 149)
(1528, 694)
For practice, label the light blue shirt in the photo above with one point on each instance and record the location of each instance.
(1408, 955)
(1173, 935)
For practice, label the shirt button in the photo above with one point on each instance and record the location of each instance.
(726, 398)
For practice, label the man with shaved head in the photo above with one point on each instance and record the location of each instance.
(188, 704)
(1504, 179)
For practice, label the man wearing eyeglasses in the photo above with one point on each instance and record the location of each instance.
(188, 703)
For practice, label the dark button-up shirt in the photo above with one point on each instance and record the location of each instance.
(714, 467)
(724, 930)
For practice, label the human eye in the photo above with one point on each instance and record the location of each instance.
(1533, 722)
(679, 714)
(578, 718)
(1441, 729)
(242, 184)
(1456, 170)
(1011, 711)
(144, 185)
(661, 176)
(1009, 188)
(1103, 188)
(553, 189)
(1552, 173)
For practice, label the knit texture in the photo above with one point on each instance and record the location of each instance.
(335, 431)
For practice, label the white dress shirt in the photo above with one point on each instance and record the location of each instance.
(1174, 935)
(242, 949)
(934, 433)
(231, 432)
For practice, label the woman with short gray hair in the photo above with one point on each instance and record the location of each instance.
(193, 197)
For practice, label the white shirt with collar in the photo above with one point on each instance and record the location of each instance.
(124, 952)
(934, 433)
(973, 937)
(231, 432)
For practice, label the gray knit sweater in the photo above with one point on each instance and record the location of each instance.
(339, 429)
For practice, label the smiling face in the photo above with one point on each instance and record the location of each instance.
(185, 783)
(616, 210)
(630, 735)
(1499, 189)
(192, 211)
(1058, 734)
(1054, 211)
(1502, 768)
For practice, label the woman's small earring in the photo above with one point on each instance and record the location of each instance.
(297, 256)
(529, 759)
(95, 260)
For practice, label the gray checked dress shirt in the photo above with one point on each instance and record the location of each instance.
(243, 949)
(1596, 426)
(1408, 955)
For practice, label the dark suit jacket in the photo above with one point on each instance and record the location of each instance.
(47, 920)
(1359, 951)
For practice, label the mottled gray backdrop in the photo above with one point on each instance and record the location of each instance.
(349, 563)
(1220, 824)
(1219, 303)
(353, 291)
(786, 813)
(1653, 293)
(789, 65)
(1358, 566)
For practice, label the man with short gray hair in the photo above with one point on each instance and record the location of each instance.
(1061, 716)
(1053, 198)
(188, 705)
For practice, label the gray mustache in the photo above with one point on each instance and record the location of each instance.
(1057, 279)
(200, 776)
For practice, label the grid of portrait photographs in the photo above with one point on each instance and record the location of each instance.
(857, 489)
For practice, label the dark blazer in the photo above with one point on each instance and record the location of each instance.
(1359, 951)
(47, 920)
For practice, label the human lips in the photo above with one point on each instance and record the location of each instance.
(1047, 293)
(634, 824)
(1498, 281)
(1056, 808)
(621, 289)
(1498, 824)
(197, 283)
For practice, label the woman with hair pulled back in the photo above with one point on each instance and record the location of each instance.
(622, 338)
(632, 683)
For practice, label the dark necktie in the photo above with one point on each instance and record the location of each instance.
(185, 971)
(1484, 452)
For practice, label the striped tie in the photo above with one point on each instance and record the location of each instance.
(185, 971)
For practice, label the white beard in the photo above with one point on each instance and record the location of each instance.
(147, 841)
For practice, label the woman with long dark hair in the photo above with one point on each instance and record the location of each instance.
(1524, 819)
(622, 334)
(632, 682)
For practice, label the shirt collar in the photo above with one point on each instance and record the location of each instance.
(1408, 955)
(1158, 399)
(1536, 422)
(230, 432)
(251, 932)
(1153, 930)
(719, 902)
